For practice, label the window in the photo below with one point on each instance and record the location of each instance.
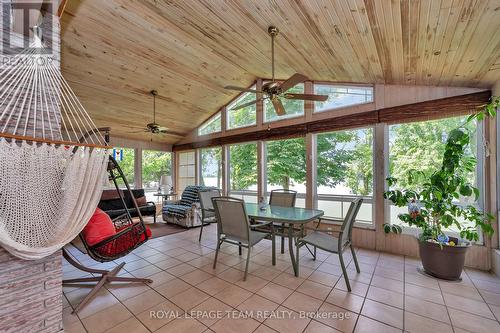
(243, 171)
(245, 116)
(345, 171)
(341, 96)
(286, 167)
(187, 170)
(420, 146)
(211, 167)
(212, 125)
(125, 158)
(293, 107)
(156, 172)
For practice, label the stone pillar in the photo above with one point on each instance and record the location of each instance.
(30, 290)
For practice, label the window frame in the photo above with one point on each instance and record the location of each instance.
(233, 103)
(178, 167)
(149, 190)
(480, 180)
(199, 167)
(315, 84)
(209, 121)
(265, 192)
(346, 198)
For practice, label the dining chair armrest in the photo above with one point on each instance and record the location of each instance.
(330, 225)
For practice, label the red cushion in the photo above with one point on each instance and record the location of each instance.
(124, 242)
(99, 228)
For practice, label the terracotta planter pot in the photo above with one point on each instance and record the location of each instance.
(444, 263)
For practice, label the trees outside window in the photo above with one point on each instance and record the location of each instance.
(243, 117)
(211, 167)
(126, 163)
(155, 164)
(341, 96)
(286, 166)
(420, 146)
(213, 125)
(345, 170)
(243, 171)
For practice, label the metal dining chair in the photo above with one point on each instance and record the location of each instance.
(283, 198)
(322, 240)
(207, 207)
(234, 227)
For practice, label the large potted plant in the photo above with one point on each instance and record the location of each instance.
(433, 205)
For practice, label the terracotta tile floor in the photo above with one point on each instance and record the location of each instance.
(189, 296)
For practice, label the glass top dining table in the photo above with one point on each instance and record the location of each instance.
(280, 214)
(292, 220)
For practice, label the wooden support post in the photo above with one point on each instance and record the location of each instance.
(261, 165)
(225, 170)
(380, 163)
(311, 170)
(138, 168)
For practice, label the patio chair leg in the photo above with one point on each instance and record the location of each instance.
(297, 247)
(314, 256)
(344, 271)
(201, 231)
(246, 266)
(239, 248)
(219, 242)
(273, 248)
(282, 238)
(355, 259)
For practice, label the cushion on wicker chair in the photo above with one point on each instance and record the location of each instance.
(99, 228)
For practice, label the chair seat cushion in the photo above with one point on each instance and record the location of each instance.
(255, 237)
(99, 228)
(176, 210)
(322, 240)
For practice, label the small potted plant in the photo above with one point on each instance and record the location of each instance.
(433, 206)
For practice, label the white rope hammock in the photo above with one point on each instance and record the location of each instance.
(52, 158)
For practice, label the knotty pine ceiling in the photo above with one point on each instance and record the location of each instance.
(115, 51)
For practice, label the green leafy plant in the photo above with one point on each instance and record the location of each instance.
(438, 194)
(394, 228)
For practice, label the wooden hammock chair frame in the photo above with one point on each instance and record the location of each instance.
(134, 231)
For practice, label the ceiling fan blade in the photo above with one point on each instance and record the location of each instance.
(242, 89)
(246, 104)
(278, 106)
(293, 81)
(141, 131)
(167, 132)
(307, 97)
(134, 127)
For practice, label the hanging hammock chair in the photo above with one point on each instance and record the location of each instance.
(129, 235)
(53, 160)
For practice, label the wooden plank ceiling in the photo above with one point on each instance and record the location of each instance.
(115, 51)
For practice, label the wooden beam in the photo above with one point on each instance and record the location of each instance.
(61, 8)
(434, 109)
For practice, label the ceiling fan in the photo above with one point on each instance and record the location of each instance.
(155, 128)
(275, 91)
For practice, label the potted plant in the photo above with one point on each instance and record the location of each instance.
(433, 206)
